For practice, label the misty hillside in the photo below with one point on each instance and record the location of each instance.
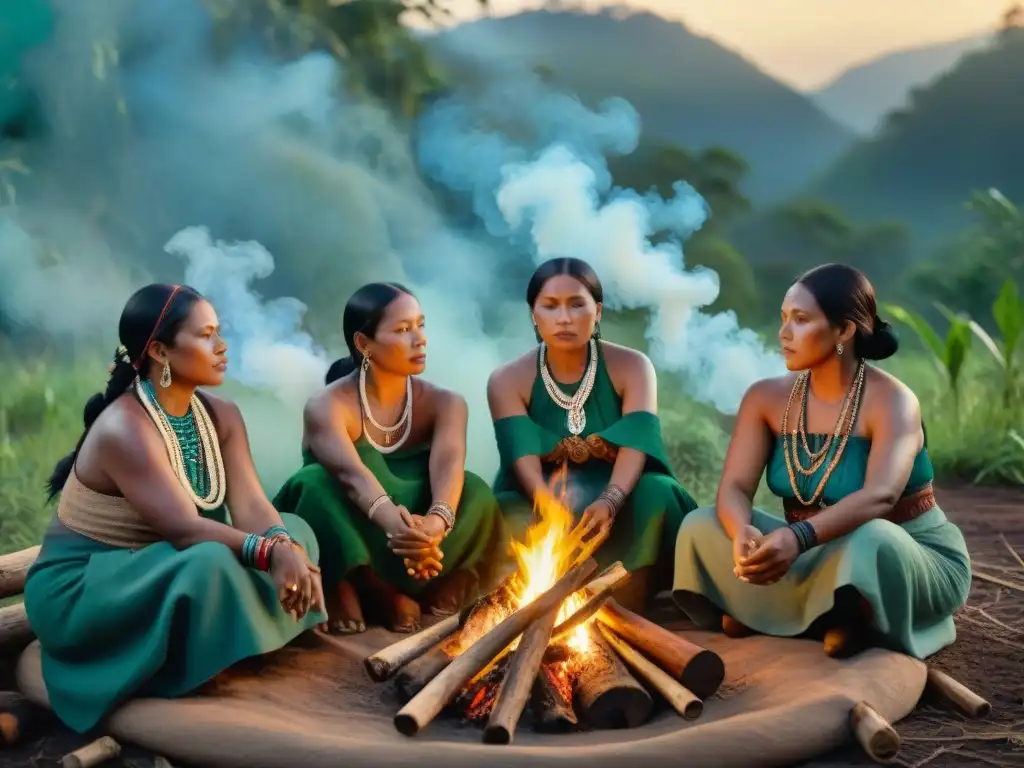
(862, 96)
(688, 89)
(963, 133)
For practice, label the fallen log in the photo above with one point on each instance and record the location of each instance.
(698, 669)
(15, 631)
(675, 693)
(13, 570)
(878, 738)
(426, 705)
(608, 695)
(944, 687)
(551, 701)
(386, 662)
(519, 678)
(92, 754)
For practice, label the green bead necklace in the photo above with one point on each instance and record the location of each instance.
(187, 435)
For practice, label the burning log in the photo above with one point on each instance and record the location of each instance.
(426, 705)
(960, 696)
(608, 695)
(682, 700)
(698, 669)
(879, 740)
(518, 681)
(599, 592)
(13, 570)
(476, 702)
(551, 701)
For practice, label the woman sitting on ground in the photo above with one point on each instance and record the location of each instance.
(142, 587)
(384, 484)
(864, 555)
(590, 406)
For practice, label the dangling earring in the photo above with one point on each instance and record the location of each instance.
(597, 330)
(365, 365)
(839, 348)
(165, 377)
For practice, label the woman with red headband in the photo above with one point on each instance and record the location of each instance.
(144, 587)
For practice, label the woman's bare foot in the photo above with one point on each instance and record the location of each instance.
(734, 629)
(449, 593)
(346, 613)
(400, 613)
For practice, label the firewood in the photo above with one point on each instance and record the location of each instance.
(13, 570)
(960, 696)
(413, 677)
(15, 631)
(551, 701)
(519, 677)
(386, 662)
(698, 669)
(608, 695)
(679, 697)
(92, 754)
(879, 740)
(426, 705)
(598, 592)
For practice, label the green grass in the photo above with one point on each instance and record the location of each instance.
(41, 418)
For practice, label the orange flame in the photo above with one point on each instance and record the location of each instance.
(546, 555)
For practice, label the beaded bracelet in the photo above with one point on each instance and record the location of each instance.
(443, 510)
(277, 531)
(614, 497)
(806, 536)
(256, 551)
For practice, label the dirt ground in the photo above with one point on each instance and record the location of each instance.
(988, 657)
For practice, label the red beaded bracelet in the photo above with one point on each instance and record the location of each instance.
(263, 554)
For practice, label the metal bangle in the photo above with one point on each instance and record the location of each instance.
(376, 504)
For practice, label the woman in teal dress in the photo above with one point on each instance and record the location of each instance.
(591, 407)
(142, 586)
(402, 526)
(864, 556)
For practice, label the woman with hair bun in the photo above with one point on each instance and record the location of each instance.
(142, 586)
(402, 526)
(864, 556)
(581, 403)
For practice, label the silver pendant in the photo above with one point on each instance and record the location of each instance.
(576, 421)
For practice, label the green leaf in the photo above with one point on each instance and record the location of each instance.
(1008, 312)
(958, 344)
(989, 342)
(920, 326)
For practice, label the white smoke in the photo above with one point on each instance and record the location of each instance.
(559, 198)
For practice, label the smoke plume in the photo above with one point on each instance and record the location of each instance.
(259, 182)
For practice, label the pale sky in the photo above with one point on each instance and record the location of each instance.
(808, 42)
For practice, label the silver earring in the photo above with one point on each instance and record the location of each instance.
(365, 365)
(165, 377)
(839, 348)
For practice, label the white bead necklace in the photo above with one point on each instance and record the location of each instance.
(405, 420)
(576, 418)
(208, 440)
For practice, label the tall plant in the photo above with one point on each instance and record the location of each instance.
(1008, 313)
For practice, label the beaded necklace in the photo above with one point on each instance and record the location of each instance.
(192, 445)
(576, 417)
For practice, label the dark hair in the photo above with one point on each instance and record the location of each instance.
(564, 265)
(846, 295)
(363, 313)
(153, 313)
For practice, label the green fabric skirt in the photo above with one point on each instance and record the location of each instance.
(117, 623)
(914, 576)
(645, 528)
(348, 540)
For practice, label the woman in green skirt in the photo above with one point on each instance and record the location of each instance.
(402, 526)
(864, 556)
(142, 586)
(591, 407)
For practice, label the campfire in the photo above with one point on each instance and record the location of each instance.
(552, 637)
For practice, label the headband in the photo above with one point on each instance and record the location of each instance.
(137, 365)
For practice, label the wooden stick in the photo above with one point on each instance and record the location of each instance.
(97, 752)
(425, 706)
(879, 740)
(19, 718)
(383, 664)
(608, 695)
(1013, 552)
(960, 696)
(997, 580)
(598, 592)
(698, 669)
(518, 681)
(413, 677)
(13, 570)
(682, 700)
(15, 631)
(551, 701)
